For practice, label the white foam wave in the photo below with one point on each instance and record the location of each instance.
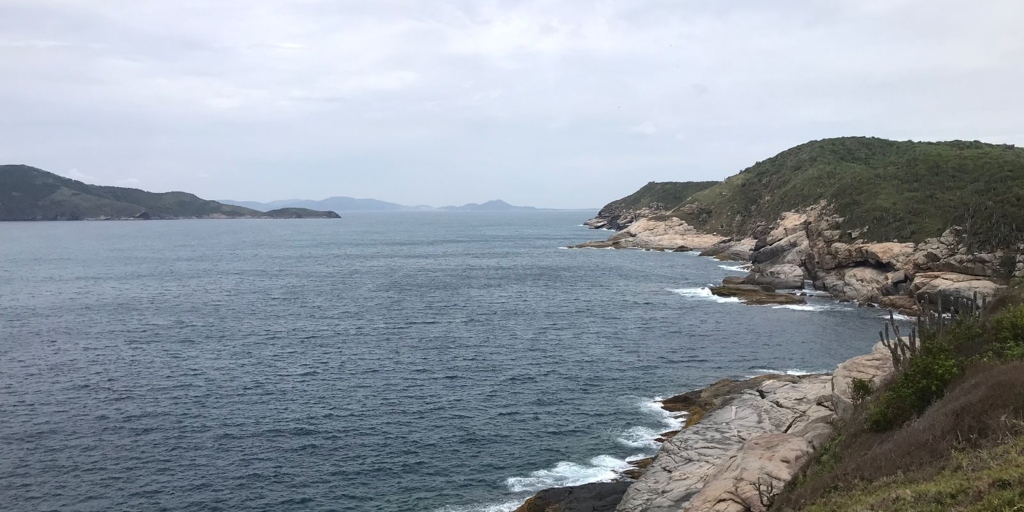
(508, 506)
(702, 293)
(603, 468)
(644, 437)
(805, 307)
(736, 268)
(794, 371)
(899, 317)
(639, 437)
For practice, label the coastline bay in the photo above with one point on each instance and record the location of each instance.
(399, 361)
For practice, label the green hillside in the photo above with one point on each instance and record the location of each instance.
(28, 193)
(891, 190)
(664, 195)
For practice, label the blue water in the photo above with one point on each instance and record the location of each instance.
(385, 362)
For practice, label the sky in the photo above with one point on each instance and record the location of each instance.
(560, 104)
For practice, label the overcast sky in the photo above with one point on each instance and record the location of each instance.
(568, 103)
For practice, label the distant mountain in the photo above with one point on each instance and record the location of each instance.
(496, 205)
(28, 193)
(338, 204)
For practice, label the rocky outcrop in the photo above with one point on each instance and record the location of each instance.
(596, 497)
(685, 463)
(746, 480)
(660, 234)
(939, 287)
(732, 250)
(762, 435)
(781, 277)
(617, 219)
(894, 274)
(875, 367)
(755, 295)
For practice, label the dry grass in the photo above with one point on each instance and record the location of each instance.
(983, 410)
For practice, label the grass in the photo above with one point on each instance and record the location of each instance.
(946, 434)
(889, 190)
(978, 481)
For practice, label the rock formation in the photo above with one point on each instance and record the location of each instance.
(659, 234)
(752, 443)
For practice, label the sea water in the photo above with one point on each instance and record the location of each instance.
(433, 361)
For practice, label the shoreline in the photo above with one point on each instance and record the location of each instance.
(769, 424)
(809, 409)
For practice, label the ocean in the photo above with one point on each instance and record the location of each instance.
(420, 361)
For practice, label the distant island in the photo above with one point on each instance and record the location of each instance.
(29, 194)
(351, 204)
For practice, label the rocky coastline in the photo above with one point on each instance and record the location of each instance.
(806, 248)
(742, 442)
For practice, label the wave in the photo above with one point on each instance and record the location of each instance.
(736, 268)
(794, 371)
(603, 468)
(807, 307)
(644, 437)
(508, 506)
(702, 293)
(899, 317)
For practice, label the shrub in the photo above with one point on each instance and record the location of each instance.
(860, 389)
(1009, 334)
(922, 382)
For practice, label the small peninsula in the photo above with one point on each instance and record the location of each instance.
(31, 194)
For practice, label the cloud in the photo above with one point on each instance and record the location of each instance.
(454, 101)
(645, 128)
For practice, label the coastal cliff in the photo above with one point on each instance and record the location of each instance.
(868, 220)
(914, 227)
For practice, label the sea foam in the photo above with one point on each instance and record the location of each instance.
(702, 293)
(603, 468)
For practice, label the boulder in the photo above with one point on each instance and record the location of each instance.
(875, 366)
(789, 224)
(933, 286)
(984, 265)
(732, 250)
(766, 460)
(755, 295)
(861, 284)
(780, 277)
(903, 303)
(595, 497)
(792, 249)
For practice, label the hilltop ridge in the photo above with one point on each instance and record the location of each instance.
(28, 193)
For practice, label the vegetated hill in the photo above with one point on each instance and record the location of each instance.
(891, 190)
(496, 205)
(337, 203)
(664, 195)
(28, 193)
(655, 196)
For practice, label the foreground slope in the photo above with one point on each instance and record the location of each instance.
(28, 193)
(883, 190)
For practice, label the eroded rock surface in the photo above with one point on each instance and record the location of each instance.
(686, 461)
(596, 497)
(767, 430)
(663, 234)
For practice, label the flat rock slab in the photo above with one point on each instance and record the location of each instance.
(685, 462)
(596, 497)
